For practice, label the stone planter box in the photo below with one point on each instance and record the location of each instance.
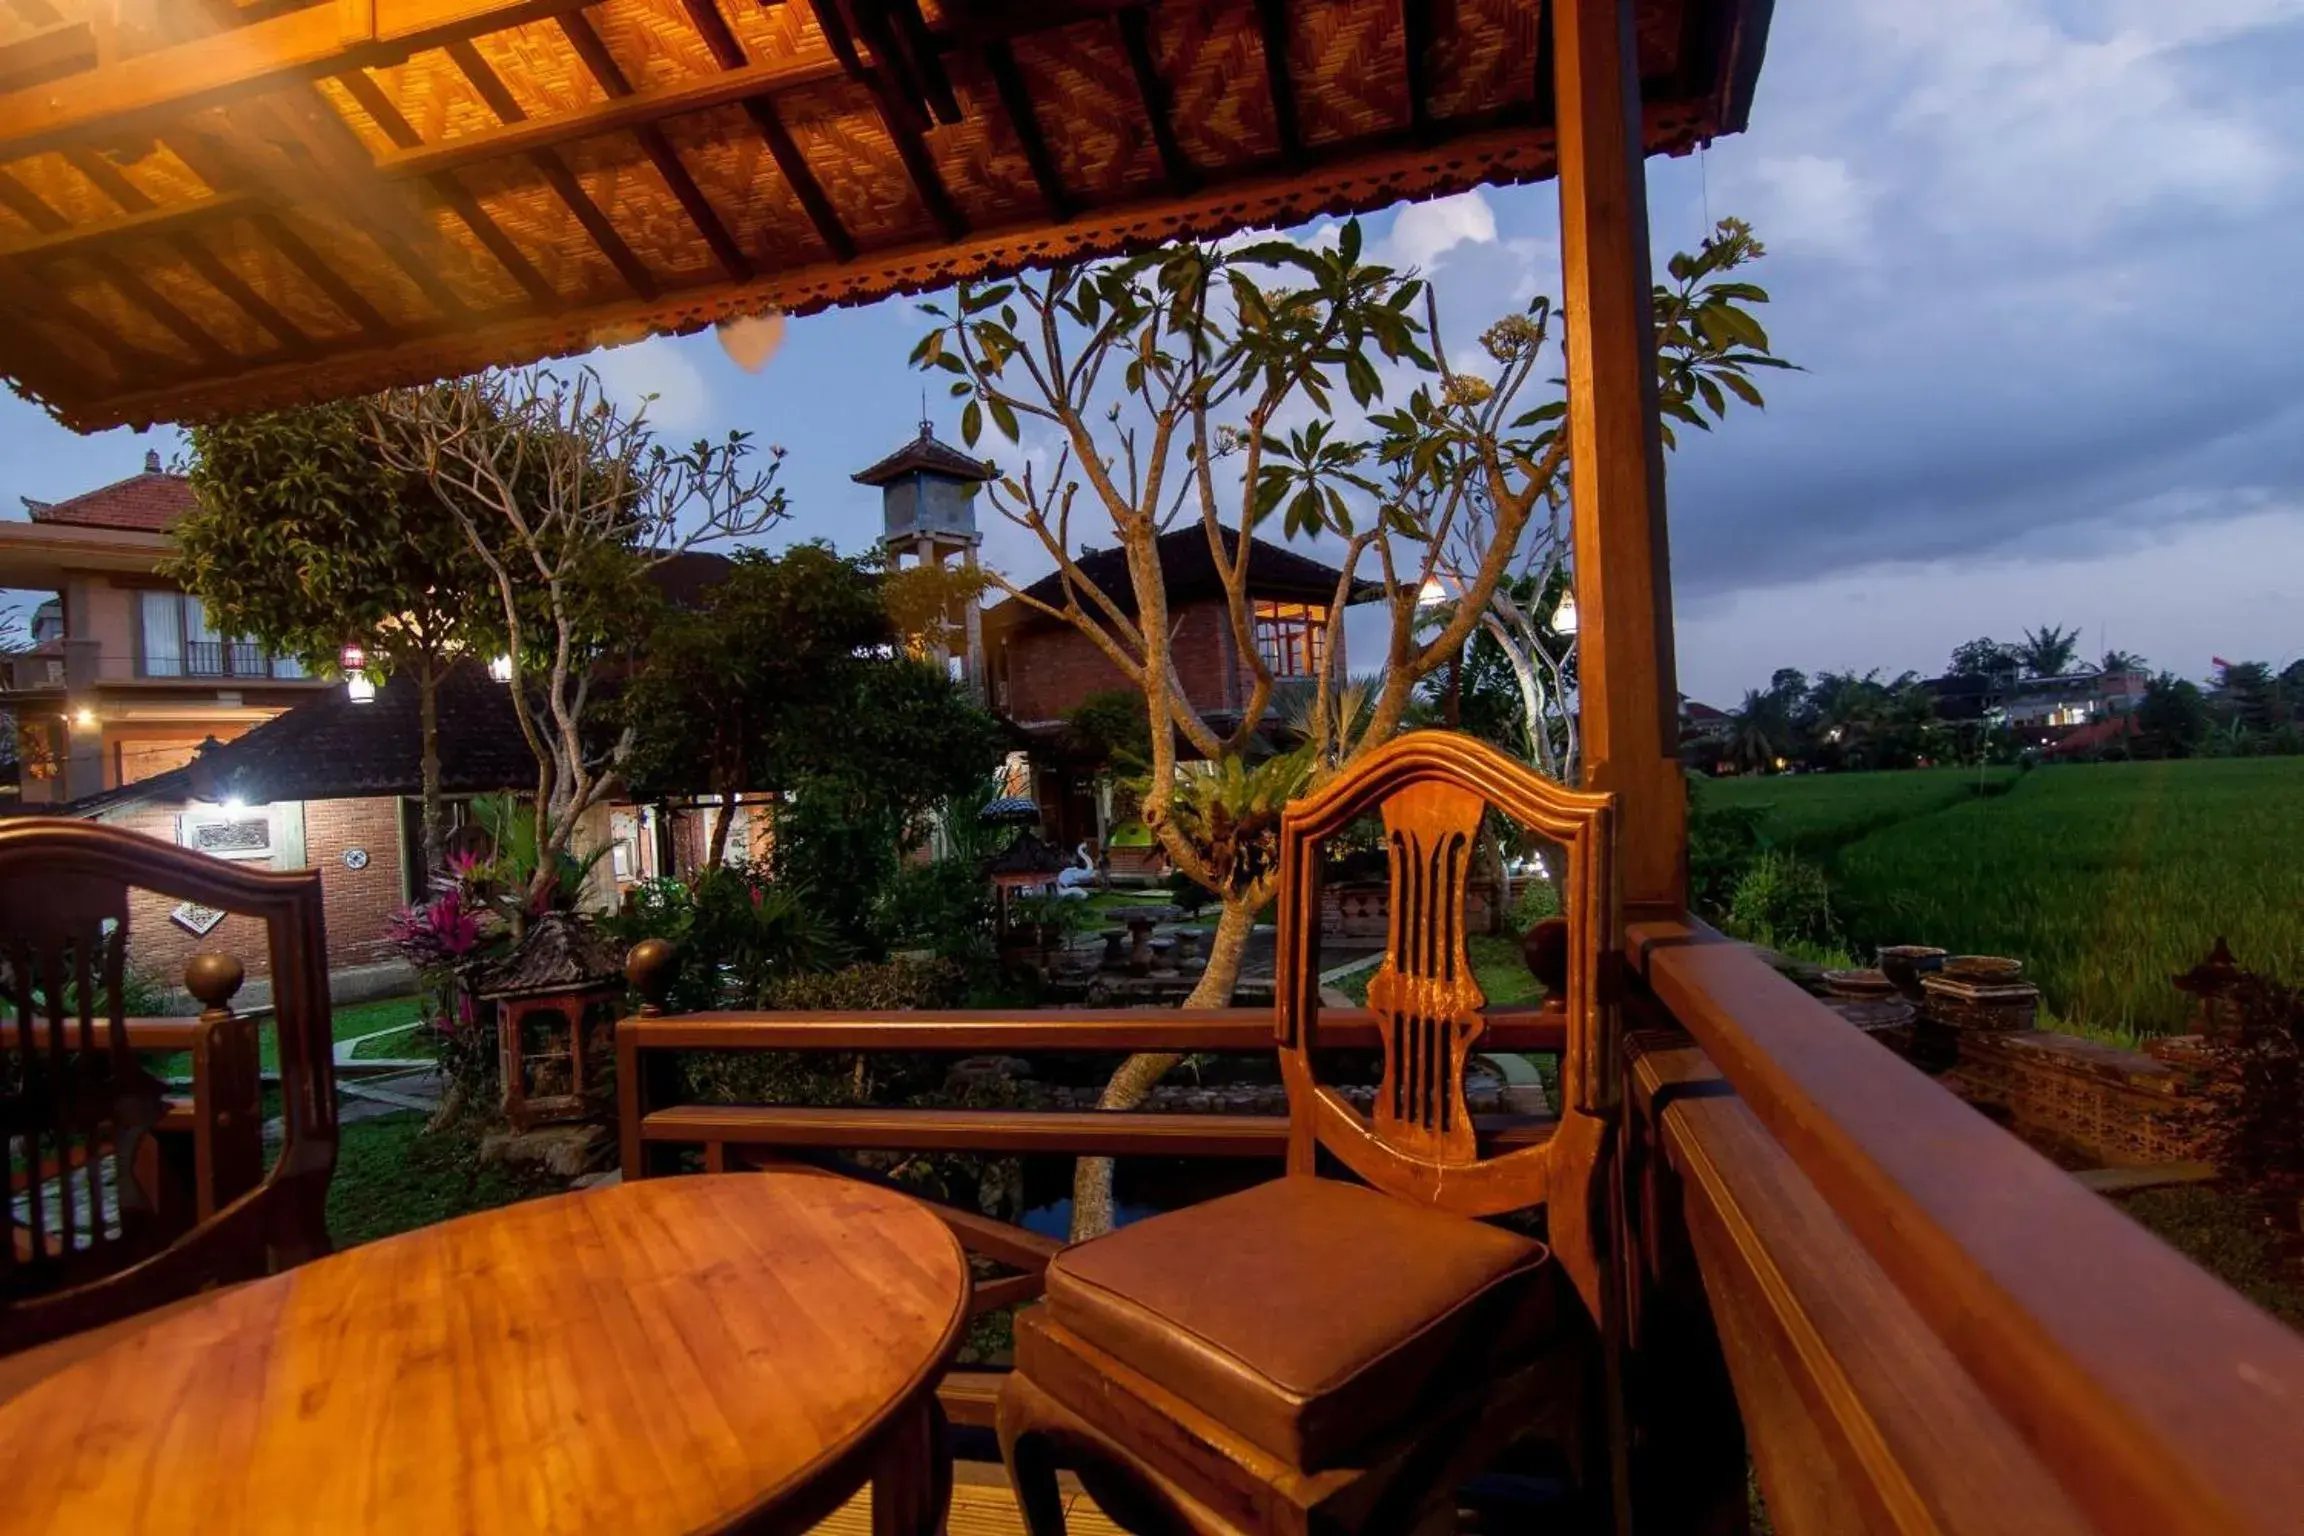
(1359, 911)
(2118, 1108)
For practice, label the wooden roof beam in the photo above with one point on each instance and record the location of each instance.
(1415, 47)
(65, 48)
(134, 202)
(611, 77)
(32, 297)
(200, 72)
(556, 174)
(728, 53)
(35, 211)
(454, 193)
(339, 176)
(741, 84)
(77, 239)
(1272, 26)
(221, 170)
(888, 77)
(1016, 101)
(1152, 92)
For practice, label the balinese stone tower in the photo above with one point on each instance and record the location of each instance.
(928, 517)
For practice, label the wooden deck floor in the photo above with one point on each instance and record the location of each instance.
(981, 1506)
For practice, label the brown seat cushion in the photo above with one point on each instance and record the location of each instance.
(1308, 1315)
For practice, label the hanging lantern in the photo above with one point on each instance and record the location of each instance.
(361, 689)
(1564, 616)
(353, 658)
(501, 669)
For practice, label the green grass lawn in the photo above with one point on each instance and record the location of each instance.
(2104, 879)
(346, 1023)
(391, 1177)
(408, 1044)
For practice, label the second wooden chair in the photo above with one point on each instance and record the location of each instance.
(1320, 1354)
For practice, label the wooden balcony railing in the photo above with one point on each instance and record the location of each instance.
(1928, 1325)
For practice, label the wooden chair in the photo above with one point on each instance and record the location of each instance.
(79, 1111)
(1318, 1354)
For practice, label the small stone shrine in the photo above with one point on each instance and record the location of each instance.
(558, 987)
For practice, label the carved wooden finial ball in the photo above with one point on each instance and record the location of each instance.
(1545, 950)
(213, 978)
(649, 968)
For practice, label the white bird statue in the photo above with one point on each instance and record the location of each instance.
(1069, 881)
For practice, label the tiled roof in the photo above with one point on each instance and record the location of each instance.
(925, 452)
(330, 748)
(146, 503)
(1190, 568)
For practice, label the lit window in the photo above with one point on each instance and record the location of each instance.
(1289, 637)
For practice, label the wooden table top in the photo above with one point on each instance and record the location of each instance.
(662, 1356)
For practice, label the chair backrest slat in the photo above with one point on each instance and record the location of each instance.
(1419, 1142)
(80, 1112)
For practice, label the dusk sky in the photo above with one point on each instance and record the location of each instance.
(2029, 253)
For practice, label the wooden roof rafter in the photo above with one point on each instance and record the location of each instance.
(729, 54)
(135, 203)
(450, 191)
(555, 172)
(899, 75)
(1152, 96)
(610, 77)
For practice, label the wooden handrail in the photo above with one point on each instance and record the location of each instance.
(1085, 1029)
(2159, 1399)
(1075, 1132)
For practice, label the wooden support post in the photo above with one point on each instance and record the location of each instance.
(1623, 571)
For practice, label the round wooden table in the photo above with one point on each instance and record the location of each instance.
(739, 1352)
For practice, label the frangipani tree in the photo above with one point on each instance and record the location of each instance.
(1202, 385)
(569, 502)
(1707, 345)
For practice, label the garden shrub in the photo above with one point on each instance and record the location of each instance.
(1536, 900)
(945, 906)
(1782, 900)
(1723, 843)
(888, 986)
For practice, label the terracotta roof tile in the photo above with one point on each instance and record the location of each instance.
(147, 503)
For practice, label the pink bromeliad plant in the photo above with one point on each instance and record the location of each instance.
(441, 932)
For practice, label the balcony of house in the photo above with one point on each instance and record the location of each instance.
(1716, 1251)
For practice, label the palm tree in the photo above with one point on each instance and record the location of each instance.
(2048, 651)
(2118, 661)
(1756, 739)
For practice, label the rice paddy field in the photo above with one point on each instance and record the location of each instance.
(2104, 879)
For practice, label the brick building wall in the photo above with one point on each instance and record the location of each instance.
(359, 902)
(1048, 670)
(356, 903)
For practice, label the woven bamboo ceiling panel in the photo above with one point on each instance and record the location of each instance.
(209, 206)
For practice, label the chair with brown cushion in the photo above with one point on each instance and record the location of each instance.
(1338, 1354)
(79, 1111)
